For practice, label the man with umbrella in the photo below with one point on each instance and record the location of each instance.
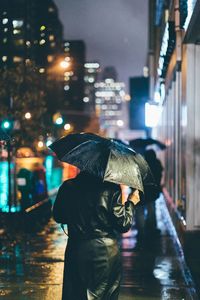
(91, 206)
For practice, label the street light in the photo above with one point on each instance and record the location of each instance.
(59, 121)
(64, 64)
(27, 115)
(67, 126)
(40, 144)
(6, 124)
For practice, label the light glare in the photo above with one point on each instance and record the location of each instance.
(152, 115)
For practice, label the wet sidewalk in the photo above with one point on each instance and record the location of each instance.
(31, 265)
(156, 268)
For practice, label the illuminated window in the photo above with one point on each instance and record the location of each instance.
(66, 87)
(5, 21)
(90, 79)
(91, 65)
(51, 9)
(51, 37)
(16, 31)
(66, 44)
(5, 29)
(42, 42)
(98, 100)
(4, 58)
(53, 44)
(19, 42)
(86, 99)
(17, 59)
(42, 27)
(50, 58)
(120, 123)
(41, 70)
(28, 43)
(17, 23)
(42, 34)
(91, 70)
(5, 40)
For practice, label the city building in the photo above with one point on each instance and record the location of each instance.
(109, 106)
(29, 30)
(92, 70)
(74, 52)
(32, 34)
(174, 68)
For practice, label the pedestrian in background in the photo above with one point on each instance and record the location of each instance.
(156, 169)
(94, 214)
(145, 216)
(39, 184)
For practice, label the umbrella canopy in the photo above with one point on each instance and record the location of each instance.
(105, 158)
(144, 142)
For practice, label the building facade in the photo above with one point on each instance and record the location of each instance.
(109, 106)
(174, 64)
(92, 71)
(74, 51)
(31, 34)
(29, 30)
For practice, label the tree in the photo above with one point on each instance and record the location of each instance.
(23, 90)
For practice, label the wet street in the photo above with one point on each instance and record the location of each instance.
(31, 265)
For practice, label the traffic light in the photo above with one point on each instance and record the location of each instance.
(58, 119)
(6, 124)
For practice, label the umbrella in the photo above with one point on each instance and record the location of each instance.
(141, 143)
(105, 158)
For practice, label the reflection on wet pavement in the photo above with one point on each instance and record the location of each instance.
(154, 268)
(31, 265)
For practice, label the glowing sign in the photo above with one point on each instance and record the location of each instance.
(163, 49)
(190, 7)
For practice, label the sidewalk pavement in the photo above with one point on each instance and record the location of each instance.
(31, 264)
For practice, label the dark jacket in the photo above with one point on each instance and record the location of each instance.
(92, 208)
(94, 214)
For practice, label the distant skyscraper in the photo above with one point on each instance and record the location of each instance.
(139, 91)
(29, 30)
(74, 51)
(92, 70)
(109, 100)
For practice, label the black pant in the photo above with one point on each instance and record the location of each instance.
(92, 270)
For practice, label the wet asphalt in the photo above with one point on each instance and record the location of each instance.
(31, 264)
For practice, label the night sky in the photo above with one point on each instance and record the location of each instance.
(115, 32)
